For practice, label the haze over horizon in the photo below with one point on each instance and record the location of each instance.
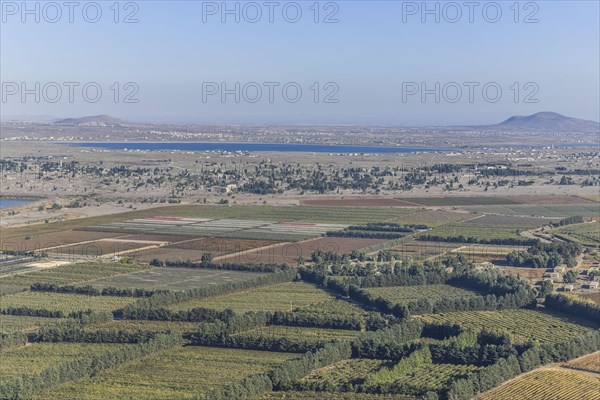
(371, 62)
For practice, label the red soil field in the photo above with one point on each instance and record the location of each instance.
(53, 239)
(193, 249)
(289, 252)
(359, 202)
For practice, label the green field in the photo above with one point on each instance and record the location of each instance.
(333, 306)
(522, 325)
(333, 396)
(280, 297)
(433, 217)
(342, 215)
(587, 233)
(548, 384)
(342, 376)
(155, 326)
(66, 303)
(300, 334)
(175, 374)
(406, 294)
(35, 358)
(460, 201)
(475, 230)
(551, 211)
(66, 274)
(433, 377)
(15, 323)
(172, 279)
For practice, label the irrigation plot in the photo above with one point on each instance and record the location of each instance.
(225, 228)
(171, 279)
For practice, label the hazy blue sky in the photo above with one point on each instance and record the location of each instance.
(371, 55)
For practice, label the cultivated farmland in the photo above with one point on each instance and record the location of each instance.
(333, 396)
(172, 279)
(194, 248)
(223, 228)
(587, 233)
(174, 375)
(548, 384)
(360, 202)
(66, 303)
(16, 323)
(343, 375)
(314, 335)
(521, 324)
(35, 358)
(590, 363)
(280, 297)
(406, 294)
(549, 211)
(66, 274)
(289, 252)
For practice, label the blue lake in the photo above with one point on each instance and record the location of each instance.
(253, 147)
(11, 203)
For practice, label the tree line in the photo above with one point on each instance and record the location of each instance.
(92, 291)
(546, 255)
(477, 240)
(84, 366)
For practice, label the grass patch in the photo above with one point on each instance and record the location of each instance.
(67, 303)
(548, 384)
(522, 325)
(16, 323)
(406, 294)
(301, 334)
(35, 358)
(176, 374)
(280, 297)
(66, 274)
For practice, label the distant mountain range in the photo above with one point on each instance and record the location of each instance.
(96, 120)
(548, 121)
(539, 122)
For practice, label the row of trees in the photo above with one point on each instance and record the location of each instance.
(74, 331)
(568, 305)
(282, 377)
(507, 368)
(84, 366)
(546, 255)
(92, 291)
(206, 264)
(145, 306)
(387, 227)
(363, 234)
(512, 241)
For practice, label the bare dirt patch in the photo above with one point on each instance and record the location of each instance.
(54, 239)
(289, 252)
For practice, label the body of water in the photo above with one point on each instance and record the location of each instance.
(11, 203)
(253, 147)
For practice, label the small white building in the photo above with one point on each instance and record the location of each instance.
(568, 288)
(592, 285)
